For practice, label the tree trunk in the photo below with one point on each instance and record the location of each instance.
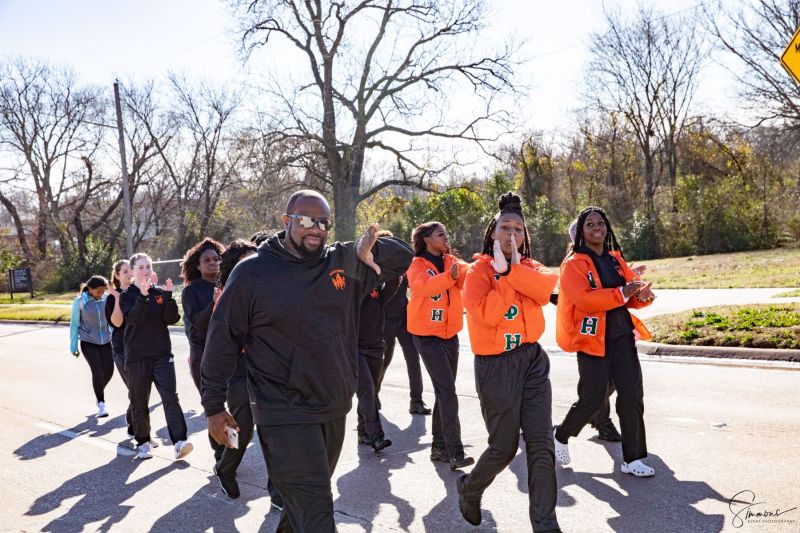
(23, 241)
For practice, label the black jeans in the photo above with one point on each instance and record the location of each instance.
(301, 459)
(369, 420)
(395, 328)
(603, 415)
(141, 376)
(101, 363)
(621, 362)
(119, 362)
(515, 393)
(441, 360)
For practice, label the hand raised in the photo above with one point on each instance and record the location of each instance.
(454, 271)
(632, 287)
(646, 293)
(364, 247)
(638, 270)
(168, 286)
(500, 264)
(144, 287)
(515, 257)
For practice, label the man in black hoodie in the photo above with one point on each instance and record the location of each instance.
(294, 307)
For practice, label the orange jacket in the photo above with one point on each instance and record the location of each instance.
(504, 312)
(583, 302)
(435, 307)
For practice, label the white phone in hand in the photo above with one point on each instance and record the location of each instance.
(233, 437)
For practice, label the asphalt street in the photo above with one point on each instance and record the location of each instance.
(715, 433)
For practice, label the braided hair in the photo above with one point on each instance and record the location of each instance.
(610, 243)
(509, 203)
(230, 257)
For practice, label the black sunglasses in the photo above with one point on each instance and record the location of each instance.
(325, 224)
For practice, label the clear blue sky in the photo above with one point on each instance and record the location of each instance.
(104, 39)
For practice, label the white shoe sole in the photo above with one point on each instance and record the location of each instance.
(186, 449)
(638, 473)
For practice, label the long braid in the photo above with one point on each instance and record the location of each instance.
(610, 243)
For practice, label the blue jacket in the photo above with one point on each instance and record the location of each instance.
(88, 321)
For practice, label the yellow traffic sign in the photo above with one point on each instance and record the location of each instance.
(790, 58)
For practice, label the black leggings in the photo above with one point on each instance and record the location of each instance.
(101, 363)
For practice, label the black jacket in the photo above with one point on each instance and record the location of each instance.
(370, 326)
(396, 306)
(117, 333)
(197, 300)
(298, 322)
(146, 321)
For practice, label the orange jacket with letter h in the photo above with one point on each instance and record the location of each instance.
(583, 302)
(504, 312)
(435, 307)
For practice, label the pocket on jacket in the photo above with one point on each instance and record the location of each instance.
(324, 372)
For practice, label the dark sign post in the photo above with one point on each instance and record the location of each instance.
(20, 280)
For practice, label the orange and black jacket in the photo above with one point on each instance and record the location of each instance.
(583, 303)
(505, 311)
(435, 307)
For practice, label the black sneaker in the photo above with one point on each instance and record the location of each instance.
(440, 454)
(276, 502)
(608, 432)
(380, 444)
(228, 485)
(418, 407)
(470, 510)
(460, 462)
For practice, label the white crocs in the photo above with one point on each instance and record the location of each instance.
(562, 450)
(637, 468)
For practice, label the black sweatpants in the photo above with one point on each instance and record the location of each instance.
(515, 393)
(301, 459)
(441, 360)
(195, 362)
(621, 362)
(143, 374)
(239, 408)
(369, 420)
(603, 415)
(101, 363)
(119, 362)
(395, 328)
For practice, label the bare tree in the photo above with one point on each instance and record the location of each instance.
(191, 138)
(756, 34)
(381, 75)
(46, 124)
(646, 70)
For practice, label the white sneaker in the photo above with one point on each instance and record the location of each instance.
(182, 449)
(637, 468)
(144, 451)
(562, 450)
(101, 410)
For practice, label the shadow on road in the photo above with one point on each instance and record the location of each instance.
(660, 503)
(102, 492)
(367, 486)
(92, 427)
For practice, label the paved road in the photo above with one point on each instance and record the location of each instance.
(62, 470)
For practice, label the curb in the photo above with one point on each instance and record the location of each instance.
(718, 352)
(648, 351)
(172, 329)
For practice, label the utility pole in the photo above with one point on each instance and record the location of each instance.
(126, 195)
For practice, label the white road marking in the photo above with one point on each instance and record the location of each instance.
(86, 439)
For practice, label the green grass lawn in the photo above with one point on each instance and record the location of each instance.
(754, 326)
(54, 313)
(764, 268)
(788, 294)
